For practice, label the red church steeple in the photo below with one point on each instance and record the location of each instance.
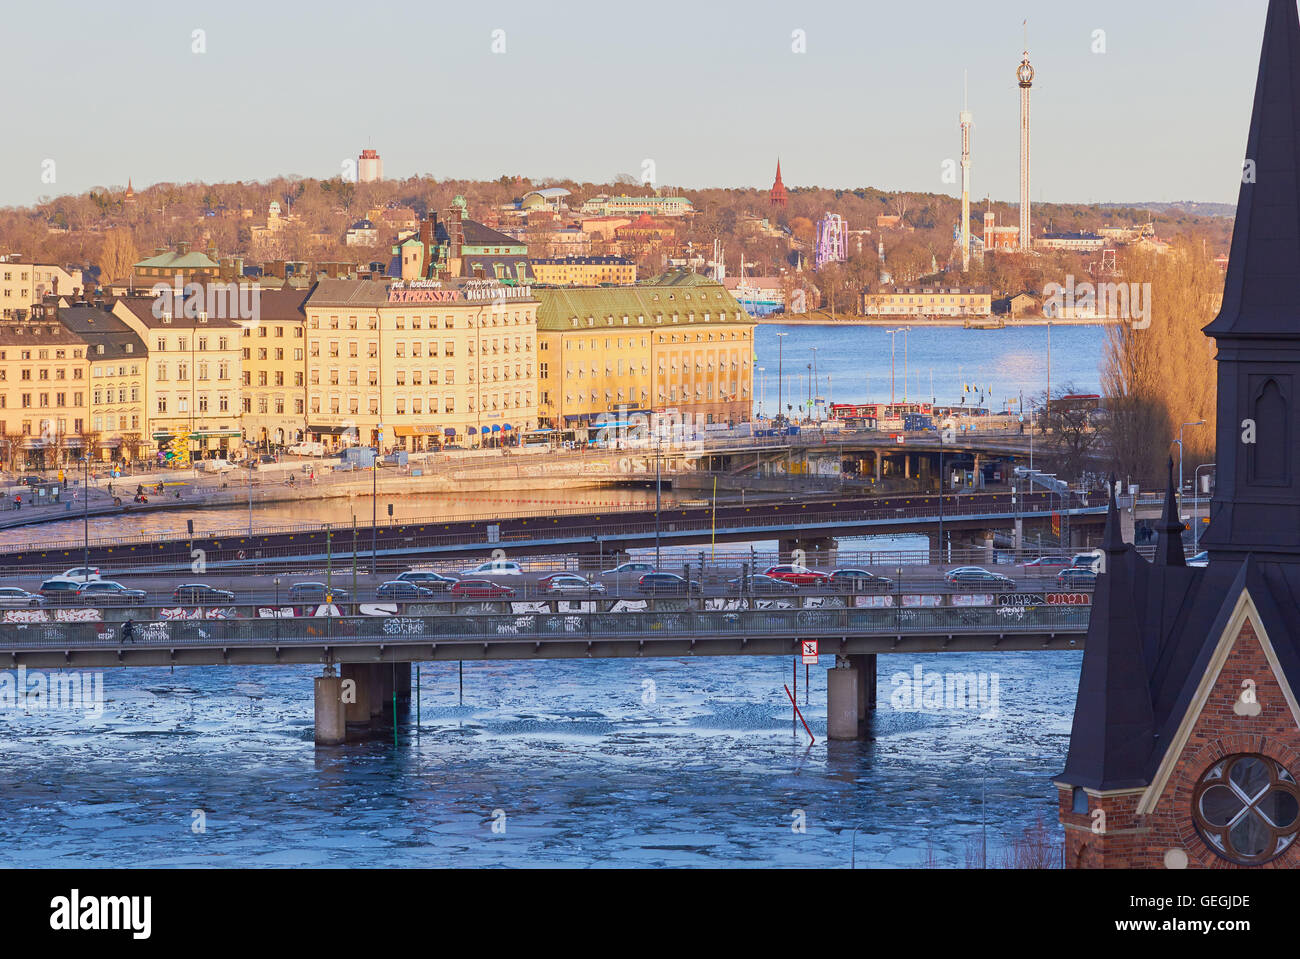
(777, 195)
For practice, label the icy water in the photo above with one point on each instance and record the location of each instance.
(688, 762)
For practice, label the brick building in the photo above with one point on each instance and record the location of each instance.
(1185, 748)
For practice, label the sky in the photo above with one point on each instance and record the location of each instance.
(1154, 107)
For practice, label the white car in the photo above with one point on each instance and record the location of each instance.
(81, 574)
(495, 567)
(308, 449)
(11, 597)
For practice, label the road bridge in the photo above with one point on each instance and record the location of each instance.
(373, 653)
(811, 524)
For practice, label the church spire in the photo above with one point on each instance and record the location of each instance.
(1169, 550)
(1262, 288)
(1256, 504)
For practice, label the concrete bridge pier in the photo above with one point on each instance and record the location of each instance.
(817, 550)
(404, 683)
(850, 695)
(331, 714)
(357, 708)
(1019, 536)
(376, 676)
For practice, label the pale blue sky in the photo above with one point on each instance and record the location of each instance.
(708, 89)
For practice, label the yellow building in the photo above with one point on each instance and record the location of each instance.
(192, 381)
(584, 271)
(929, 301)
(117, 362)
(273, 354)
(679, 344)
(43, 390)
(23, 284)
(428, 362)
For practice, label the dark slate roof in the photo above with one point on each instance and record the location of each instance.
(98, 327)
(476, 234)
(1262, 289)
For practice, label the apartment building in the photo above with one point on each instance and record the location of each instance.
(23, 284)
(679, 344)
(273, 354)
(584, 271)
(116, 360)
(929, 301)
(425, 362)
(43, 390)
(193, 377)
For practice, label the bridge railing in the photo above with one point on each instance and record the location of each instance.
(660, 624)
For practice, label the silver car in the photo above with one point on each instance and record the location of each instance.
(11, 597)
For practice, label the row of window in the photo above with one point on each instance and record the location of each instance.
(27, 400)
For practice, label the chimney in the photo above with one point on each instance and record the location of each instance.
(182, 248)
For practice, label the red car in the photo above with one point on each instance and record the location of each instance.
(799, 575)
(481, 589)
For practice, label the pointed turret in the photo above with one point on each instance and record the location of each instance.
(1256, 505)
(1114, 722)
(1169, 548)
(777, 196)
(1261, 294)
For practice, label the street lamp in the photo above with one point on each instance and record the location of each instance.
(374, 499)
(1196, 523)
(659, 439)
(1180, 465)
(893, 340)
(816, 379)
(85, 515)
(780, 373)
(762, 390)
(905, 330)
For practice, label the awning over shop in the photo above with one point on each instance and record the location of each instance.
(417, 430)
(331, 430)
(449, 431)
(496, 428)
(471, 431)
(506, 426)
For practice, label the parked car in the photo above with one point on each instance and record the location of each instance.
(315, 592)
(569, 583)
(201, 593)
(109, 593)
(307, 449)
(1077, 577)
(402, 589)
(1044, 563)
(481, 589)
(666, 583)
(861, 580)
(495, 567)
(82, 573)
(11, 597)
(799, 575)
(760, 583)
(631, 570)
(976, 577)
(60, 590)
(428, 579)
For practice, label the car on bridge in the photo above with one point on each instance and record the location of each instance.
(761, 583)
(627, 571)
(666, 583)
(201, 593)
(481, 589)
(977, 577)
(315, 593)
(428, 579)
(859, 579)
(12, 597)
(106, 592)
(799, 575)
(403, 589)
(569, 583)
(59, 591)
(1077, 577)
(82, 573)
(495, 567)
(1046, 564)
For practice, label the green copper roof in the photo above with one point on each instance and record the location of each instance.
(688, 299)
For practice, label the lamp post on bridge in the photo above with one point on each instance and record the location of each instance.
(780, 373)
(374, 499)
(1180, 465)
(1196, 501)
